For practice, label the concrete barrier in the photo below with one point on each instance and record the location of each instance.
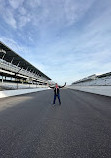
(102, 90)
(12, 85)
(8, 93)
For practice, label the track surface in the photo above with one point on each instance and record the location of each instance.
(30, 127)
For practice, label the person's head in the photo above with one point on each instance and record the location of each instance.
(56, 84)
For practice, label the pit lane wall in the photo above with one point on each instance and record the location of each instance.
(8, 93)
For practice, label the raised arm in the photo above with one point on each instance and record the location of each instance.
(51, 86)
(63, 85)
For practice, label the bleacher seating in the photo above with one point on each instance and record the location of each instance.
(13, 68)
(98, 81)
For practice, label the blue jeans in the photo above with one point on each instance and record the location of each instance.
(56, 95)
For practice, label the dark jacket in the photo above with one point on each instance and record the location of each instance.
(57, 90)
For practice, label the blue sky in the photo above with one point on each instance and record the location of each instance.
(66, 39)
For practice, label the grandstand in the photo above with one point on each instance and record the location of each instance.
(95, 80)
(16, 72)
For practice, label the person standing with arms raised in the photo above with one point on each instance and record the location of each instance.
(57, 92)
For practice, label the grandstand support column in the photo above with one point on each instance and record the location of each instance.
(4, 55)
(12, 60)
(18, 63)
(17, 85)
(2, 79)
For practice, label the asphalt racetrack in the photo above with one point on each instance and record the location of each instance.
(30, 127)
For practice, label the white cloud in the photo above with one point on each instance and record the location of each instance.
(9, 18)
(15, 15)
(15, 3)
(33, 3)
(22, 11)
(75, 9)
(46, 12)
(23, 20)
